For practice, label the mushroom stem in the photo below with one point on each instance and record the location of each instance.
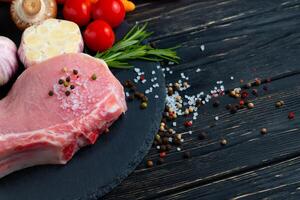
(31, 7)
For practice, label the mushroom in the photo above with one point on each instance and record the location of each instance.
(28, 12)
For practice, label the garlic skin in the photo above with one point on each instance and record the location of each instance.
(8, 59)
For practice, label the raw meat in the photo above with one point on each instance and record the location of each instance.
(37, 128)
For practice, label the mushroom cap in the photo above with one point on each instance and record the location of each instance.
(25, 13)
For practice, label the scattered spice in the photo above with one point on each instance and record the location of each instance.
(60, 81)
(162, 154)
(160, 161)
(67, 93)
(257, 82)
(255, 92)
(216, 103)
(264, 131)
(250, 105)
(50, 93)
(279, 104)
(68, 79)
(75, 72)
(149, 163)
(223, 142)
(66, 84)
(72, 87)
(94, 77)
(291, 115)
(188, 123)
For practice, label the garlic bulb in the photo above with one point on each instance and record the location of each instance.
(8, 59)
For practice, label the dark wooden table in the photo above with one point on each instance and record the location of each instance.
(245, 39)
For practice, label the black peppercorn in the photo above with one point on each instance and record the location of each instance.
(67, 93)
(75, 72)
(72, 87)
(50, 93)
(68, 79)
(60, 81)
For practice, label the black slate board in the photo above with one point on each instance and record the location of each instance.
(96, 169)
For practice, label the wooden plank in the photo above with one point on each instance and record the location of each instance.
(277, 181)
(167, 18)
(247, 149)
(245, 47)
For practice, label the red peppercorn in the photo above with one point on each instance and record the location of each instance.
(242, 102)
(162, 154)
(291, 115)
(188, 123)
(244, 95)
(142, 77)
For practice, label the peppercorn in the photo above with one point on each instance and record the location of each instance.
(188, 123)
(139, 95)
(198, 102)
(254, 92)
(228, 106)
(223, 142)
(232, 93)
(157, 136)
(248, 85)
(176, 86)
(165, 140)
(168, 147)
(66, 84)
(75, 72)
(149, 163)
(186, 112)
(160, 161)
(187, 155)
(94, 77)
(250, 105)
(264, 131)
(291, 115)
(178, 136)
(233, 110)
(191, 109)
(242, 102)
(72, 87)
(185, 84)
(162, 154)
(60, 81)
(177, 142)
(67, 93)
(202, 136)
(216, 103)
(50, 93)
(278, 104)
(68, 79)
(257, 82)
(163, 148)
(144, 99)
(170, 91)
(244, 94)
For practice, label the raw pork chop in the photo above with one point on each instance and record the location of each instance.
(42, 123)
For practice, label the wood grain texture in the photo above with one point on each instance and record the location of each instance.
(243, 39)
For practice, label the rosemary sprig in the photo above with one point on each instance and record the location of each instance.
(131, 47)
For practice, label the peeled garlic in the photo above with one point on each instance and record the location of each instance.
(8, 59)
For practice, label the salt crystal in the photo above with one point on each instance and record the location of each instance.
(170, 139)
(168, 69)
(231, 77)
(158, 66)
(202, 47)
(156, 96)
(216, 118)
(157, 147)
(144, 81)
(137, 70)
(127, 94)
(171, 63)
(198, 70)
(178, 149)
(163, 69)
(171, 72)
(147, 91)
(190, 132)
(135, 80)
(174, 123)
(153, 72)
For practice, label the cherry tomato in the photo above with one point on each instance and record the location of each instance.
(99, 36)
(78, 11)
(111, 11)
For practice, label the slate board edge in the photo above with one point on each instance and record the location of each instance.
(137, 159)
